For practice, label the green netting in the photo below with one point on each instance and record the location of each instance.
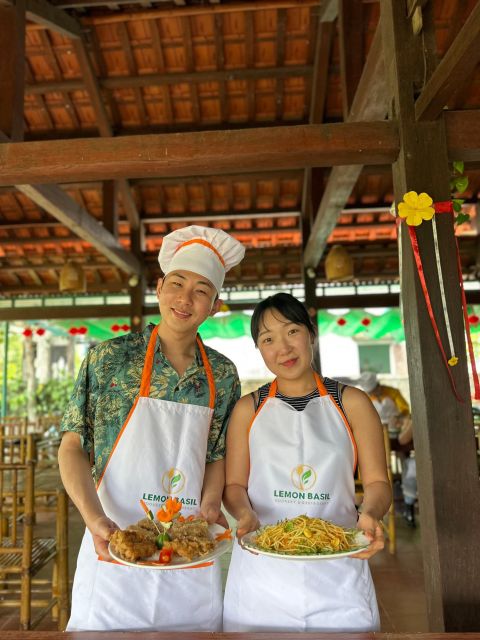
(356, 322)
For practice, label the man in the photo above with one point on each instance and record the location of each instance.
(149, 413)
(394, 412)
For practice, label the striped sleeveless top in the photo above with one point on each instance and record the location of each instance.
(333, 387)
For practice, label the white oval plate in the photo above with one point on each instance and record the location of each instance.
(246, 542)
(178, 563)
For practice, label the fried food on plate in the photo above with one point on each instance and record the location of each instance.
(133, 544)
(191, 539)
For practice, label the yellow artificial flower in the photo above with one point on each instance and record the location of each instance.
(453, 361)
(416, 208)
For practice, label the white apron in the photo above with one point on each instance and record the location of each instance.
(160, 451)
(301, 462)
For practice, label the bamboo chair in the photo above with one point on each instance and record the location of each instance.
(389, 527)
(13, 425)
(22, 555)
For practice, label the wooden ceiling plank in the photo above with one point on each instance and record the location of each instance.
(350, 31)
(160, 59)
(454, 69)
(12, 65)
(220, 59)
(53, 200)
(109, 207)
(370, 103)
(281, 42)
(162, 79)
(51, 17)
(250, 62)
(190, 63)
(199, 153)
(133, 71)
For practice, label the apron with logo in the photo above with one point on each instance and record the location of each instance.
(159, 452)
(301, 462)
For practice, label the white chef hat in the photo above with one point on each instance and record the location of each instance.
(203, 250)
(368, 381)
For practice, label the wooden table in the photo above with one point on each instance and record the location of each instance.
(130, 635)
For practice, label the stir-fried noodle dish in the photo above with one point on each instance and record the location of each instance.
(303, 535)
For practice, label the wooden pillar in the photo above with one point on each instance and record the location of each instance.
(449, 491)
(12, 69)
(137, 283)
(109, 207)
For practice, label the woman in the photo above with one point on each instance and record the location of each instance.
(301, 423)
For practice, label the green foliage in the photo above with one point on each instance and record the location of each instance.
(459, 184)
(52, 397)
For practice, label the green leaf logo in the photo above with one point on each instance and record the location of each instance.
(175, 480)
(306, 476)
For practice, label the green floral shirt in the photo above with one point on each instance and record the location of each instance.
(109, 380)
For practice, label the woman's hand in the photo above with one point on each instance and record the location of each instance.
(373, 530)
(102, 529)
(210, 510)
(248, 521)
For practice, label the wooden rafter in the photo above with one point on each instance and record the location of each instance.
(12, 58)
(350, 33)
(165, 80)
(454, 69)
(53, 200)
(51, 17)
(370, 102)
(103, 123)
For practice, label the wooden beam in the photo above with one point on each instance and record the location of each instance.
(157, 79)
(350, 31)
(447, 466)
(370, 103)
(109, 207)
(56, 202)
(51, 17)
(328, 10)
(325, 35)
(456, 66)
(12, 65)
(187, 154)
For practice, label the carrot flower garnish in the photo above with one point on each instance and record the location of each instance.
(169, 510)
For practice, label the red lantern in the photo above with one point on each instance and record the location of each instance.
(28, 333)
(366, 322)
(341, 322)
(125, 327)
(82, 330)
(115, 327)
(73, 331)
(40, 332)
(473, 319)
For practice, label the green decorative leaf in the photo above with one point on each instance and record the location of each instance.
(461, 183)
(457, 205)
(458, 166)
(175, 479)
(306, 476)
(462, 217)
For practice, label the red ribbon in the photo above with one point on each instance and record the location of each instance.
(443, 207)
(426, 295)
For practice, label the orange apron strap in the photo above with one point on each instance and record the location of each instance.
(320, 386)
(209, 372)
(147, 367)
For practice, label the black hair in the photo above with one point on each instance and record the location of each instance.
(288, 306)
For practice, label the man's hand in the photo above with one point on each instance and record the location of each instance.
(101, 530)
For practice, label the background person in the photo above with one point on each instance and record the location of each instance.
(394, 412)
(301, 421)
(148, 413)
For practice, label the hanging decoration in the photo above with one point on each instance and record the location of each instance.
(27, 333)
(414, 209)
(341, 322)
(73, 331)
(40, 331)
(366, 322)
